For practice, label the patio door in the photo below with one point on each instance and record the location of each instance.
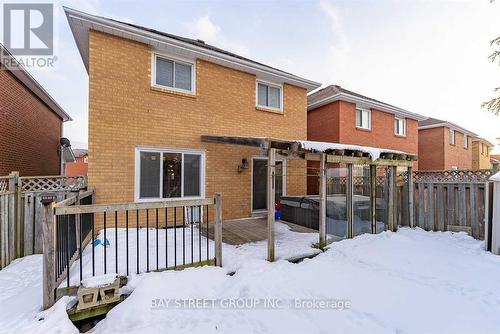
(259, 183)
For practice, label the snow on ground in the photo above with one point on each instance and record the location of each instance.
(411, 281)
(21, 300)
(406, 282)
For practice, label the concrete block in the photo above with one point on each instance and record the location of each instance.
(87, 298)
(111, 292)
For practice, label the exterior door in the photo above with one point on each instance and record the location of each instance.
(259, 183)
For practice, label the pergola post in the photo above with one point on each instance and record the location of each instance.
(271, 170)
(410, 196)
(349, 201)
(322, 201)
(392, 199)
(373, 198)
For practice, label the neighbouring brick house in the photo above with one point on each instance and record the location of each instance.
(443, 145)
(481, 149)
(153, 95)
(338, 115)
(30, 123)
(80, 166)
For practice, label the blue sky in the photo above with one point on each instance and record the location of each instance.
(429, 57)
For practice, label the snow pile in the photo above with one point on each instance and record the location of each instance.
(495, 177)
(99, 281)
(325, 146)
(21, 301)
(406, 282)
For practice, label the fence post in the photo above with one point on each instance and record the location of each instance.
(13, 217)
(218, 230)
(392, 199)
(322, 201)
(495, 222)
(373, 198)
(48, 228)
(410, 197)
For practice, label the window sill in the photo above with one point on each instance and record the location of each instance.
(271, 110)
(171, 199)
(399, 136)
(363, 129)
(173, 92)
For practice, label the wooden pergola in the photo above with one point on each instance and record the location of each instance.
(329, 153)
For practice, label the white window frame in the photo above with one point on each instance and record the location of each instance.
(397, 120)
(183, 151)
(369, 112)
(452, 135)
(191, 63)
(280, 109)
(466, 142)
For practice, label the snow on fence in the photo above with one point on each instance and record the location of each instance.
(448, 200)
(82, 241)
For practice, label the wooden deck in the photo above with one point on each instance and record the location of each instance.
(245, 230)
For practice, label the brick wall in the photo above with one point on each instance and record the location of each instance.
(29, 131)
(436, 153)
(77, 168)
(480, 156)
(126, 112)
(336, 122)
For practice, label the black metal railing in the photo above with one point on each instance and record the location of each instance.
(135, 238)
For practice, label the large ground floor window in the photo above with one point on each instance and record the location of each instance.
(169, 173)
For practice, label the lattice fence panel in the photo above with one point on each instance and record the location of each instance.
(4, 184)
(450, 176)
(55, 183)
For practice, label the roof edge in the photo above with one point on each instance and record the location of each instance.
(32, 85)
(123, 28)
(448, 125)
(376, 105)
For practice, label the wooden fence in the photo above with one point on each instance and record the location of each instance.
(21, 210)
(445, 201)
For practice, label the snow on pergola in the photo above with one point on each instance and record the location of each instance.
(325, 152)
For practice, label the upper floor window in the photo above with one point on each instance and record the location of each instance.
(363, 118)
(173, 74)
(163, 174)
(466, 141)
(452, 137)
(400, 126)
(269, 96)
(482, 148)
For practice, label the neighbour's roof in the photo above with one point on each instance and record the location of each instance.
(307, 146)
(80, 152)
(30, 83)
(80, 23)
(484, 141)
(334, 93)
(431, 123)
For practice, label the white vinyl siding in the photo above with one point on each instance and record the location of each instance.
(169, 174)
(173, 74)
(269, 96)
(363, 118)
(400, 126)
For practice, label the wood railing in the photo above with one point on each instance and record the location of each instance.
(82, 241)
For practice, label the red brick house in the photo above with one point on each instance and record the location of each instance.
(443, 145)
(80, 166)
(335, 114)
(338, 115)
(30, 123)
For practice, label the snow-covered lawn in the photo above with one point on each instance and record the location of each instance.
(406, 282)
